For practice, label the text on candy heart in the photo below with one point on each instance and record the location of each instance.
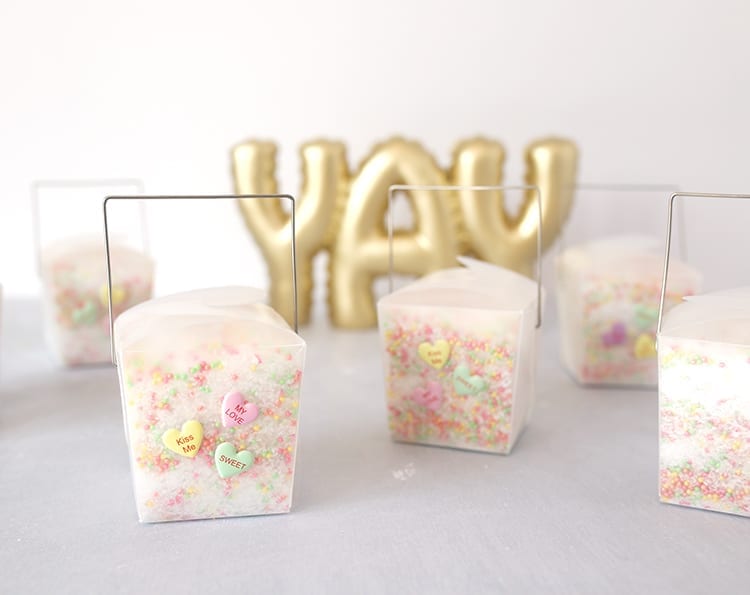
(187, 443)
(233, 462)
(236, 414)
(464, 382)
(435, 356)
(237, 410)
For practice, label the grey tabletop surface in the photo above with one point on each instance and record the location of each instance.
(573, 509)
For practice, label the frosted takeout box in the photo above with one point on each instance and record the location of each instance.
(210, 383)
(75, 296)
(608, 303)
(460, 348)
(704, 403)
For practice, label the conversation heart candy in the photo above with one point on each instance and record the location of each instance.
(185, 441)
(229, 462)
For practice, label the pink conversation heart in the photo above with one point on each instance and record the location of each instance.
(430, 396)
(236, 410)
(615, 336)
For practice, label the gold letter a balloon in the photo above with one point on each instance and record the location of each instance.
(360, 251)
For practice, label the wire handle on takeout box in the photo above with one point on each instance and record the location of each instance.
(234, 197)
(428, 187)
(36, 211)
(668, 248)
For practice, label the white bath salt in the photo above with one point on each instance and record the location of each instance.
(210, 383)
(608, 302)
(460, 348)
(704, 403)
(75, 295)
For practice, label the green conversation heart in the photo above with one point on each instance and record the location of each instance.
(465, 383)
(229, 462)
(86, 315)
(645, 316)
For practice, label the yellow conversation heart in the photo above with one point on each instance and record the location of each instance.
(186, 441)
(435, 354)
(645, 346)
(118, 295)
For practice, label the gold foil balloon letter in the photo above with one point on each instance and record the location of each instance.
(360, 250)
(325, 177)
(493, 234)
(345, 215)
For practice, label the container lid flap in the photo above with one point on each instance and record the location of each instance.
(722, 316)
(200, 307)
(627, 257)
(477, 284)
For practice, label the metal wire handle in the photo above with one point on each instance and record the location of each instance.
(417, 187)
(38, 185)
(235, 197)
(668, 247)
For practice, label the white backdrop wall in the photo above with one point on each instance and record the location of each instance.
(652, 92)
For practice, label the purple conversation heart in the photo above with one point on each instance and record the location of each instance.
(615, 335)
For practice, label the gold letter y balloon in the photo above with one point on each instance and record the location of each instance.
(325, 181)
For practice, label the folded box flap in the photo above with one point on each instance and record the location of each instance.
(630, 257)
(475, 285)
(165, 318)
(717, 316)
(738, 298)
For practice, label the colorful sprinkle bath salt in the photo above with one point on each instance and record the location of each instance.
(460, 356)
(608, 303)
(704, 403)
(210, 383)
(75, 295)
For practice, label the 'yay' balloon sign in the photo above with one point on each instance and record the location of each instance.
(343, 213)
